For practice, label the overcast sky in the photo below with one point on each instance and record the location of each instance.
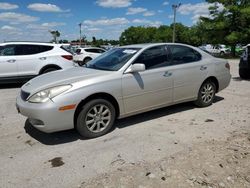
(31, 19)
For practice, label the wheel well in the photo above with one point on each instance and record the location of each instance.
(214, 80)
(106, 96)
(87, 58)
(49, 66)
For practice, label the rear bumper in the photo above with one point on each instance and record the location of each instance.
(224, 81)
(45, 116)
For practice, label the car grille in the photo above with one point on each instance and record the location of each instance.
(24, 95)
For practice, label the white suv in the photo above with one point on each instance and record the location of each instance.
(21, 61)
(83, 55)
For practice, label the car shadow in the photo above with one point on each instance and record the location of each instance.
(11, 86)
(147, 116)
(72, 135)
(239, 79)
(51, 138)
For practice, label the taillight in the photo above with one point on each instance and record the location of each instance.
(68, 57)
(227, 66)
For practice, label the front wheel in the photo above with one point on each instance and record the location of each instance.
(206, 94)
(96, 118)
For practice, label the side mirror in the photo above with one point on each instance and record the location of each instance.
(138, 67)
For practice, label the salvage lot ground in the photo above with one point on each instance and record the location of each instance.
(179, 146)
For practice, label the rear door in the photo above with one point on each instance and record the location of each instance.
(8, 64)
(31, 58)
(189, 71)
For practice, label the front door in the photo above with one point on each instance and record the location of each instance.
(151, 88)
(8, 65)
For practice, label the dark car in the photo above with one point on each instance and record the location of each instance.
(244, 66)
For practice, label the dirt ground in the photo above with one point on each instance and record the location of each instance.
(178, 146)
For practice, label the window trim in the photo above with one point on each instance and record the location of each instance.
(193, 50)
(168, 56)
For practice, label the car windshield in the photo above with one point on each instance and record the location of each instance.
(112, 60)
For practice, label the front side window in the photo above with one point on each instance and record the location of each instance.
(183, 54)
(112, 60)
(154, 57)
(8, 50)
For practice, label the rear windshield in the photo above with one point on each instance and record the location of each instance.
(65, 48)
(78, 51)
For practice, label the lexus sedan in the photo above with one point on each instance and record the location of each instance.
(122, 82)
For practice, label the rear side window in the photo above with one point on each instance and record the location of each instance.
(154, 57)
(183, 54)
(32, 49)
(94, 50)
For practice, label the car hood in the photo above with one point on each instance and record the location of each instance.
(62, 77)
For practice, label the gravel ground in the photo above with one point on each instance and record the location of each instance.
(178, 146)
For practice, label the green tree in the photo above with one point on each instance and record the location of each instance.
(230, 26)
(55, 34)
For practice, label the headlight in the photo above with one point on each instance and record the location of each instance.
(45, 95)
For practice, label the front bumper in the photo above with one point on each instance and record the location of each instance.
(46, 117)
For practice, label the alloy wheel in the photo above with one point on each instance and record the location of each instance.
(207, 93)
(98, 118)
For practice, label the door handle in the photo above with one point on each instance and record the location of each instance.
(203, 68)
(167, 74)
(43, 58)
(11, 61)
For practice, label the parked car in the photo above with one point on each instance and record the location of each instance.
(21, 61)
(219, 49)
(244, 66)
(122, 82)
(84, 55)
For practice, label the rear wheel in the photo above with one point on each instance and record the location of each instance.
(81, 63)
(222, 53)
(96, 118)
(244, 73)
(206, 94)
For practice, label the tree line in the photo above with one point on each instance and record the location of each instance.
(230, 26)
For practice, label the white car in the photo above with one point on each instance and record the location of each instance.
(220, 49)
(21, 61)
(83, 55)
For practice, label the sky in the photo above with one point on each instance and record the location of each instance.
(30, 20)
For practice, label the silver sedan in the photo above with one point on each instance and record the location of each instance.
(122, 82)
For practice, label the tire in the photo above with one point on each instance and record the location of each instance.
(49, 70)
(91, 123)
(222, 53)
(206, 94)
(81, 63)
(244, 73)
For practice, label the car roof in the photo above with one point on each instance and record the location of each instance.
(146, 45)
(32, 43)
(90, 48)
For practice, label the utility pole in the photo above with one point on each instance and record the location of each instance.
(80, 41)
(175, 7)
